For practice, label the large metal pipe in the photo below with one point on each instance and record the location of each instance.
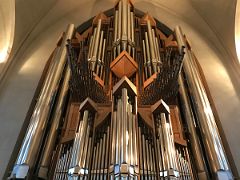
(119, 152)
(49, 147)
(100, 49)
(38, 121)
(124, 124)
(150, 38)
(124, 23)
(148, 55)
(114, 138)
(145, 61)
(82, 136)
(103, 55)
(92, 44)
(189, 117)
(130, 136)
(217, 157)
(140, 153)
(119, 20)
(115, 33)
(96, 43)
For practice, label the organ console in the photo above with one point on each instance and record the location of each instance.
(122, 99)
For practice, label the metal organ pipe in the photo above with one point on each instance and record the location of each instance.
(96, 43)
(40, 116)
(195, 144)
(148, 55)
(151, 42)
(217, 157)
(54, 127)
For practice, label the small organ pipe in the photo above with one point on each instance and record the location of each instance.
(103, 55)
(150, 38)
(93, 43)
(114, 137)
(145, 61)
(96, 43)
(119, 20)
(100, 49)
(132, 26)
(148, 55)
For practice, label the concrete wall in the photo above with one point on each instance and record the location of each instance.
(21, 80)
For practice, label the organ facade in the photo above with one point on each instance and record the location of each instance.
(123, 97)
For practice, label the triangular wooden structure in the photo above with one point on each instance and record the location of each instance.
(124, 65)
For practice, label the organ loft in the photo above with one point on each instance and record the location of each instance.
(122, 97)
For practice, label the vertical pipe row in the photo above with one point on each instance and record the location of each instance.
(30, 146)
(217, 157)
(57, 115)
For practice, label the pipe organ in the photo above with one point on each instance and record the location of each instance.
(122, 99)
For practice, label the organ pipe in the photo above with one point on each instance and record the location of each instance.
(34, 134)
(216, 155)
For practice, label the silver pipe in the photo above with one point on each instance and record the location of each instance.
(103, 55)
(88, 154)
(130, 136)
(150, 157)
(135, 149)
(28, 152)
(158, 50)
(53, 131)
(115, 33)
(93, 43)
(154, 164)
(103, 151)
(85, 149)
(115, 26)
(144, 154)
(140, 150)
(119, 19)
(124, 124)
(189, 117)
(159, 157)
(94, 163)
(172, 143)
(90, 48)
(100, 49)
(216, 155)
(96, 43)
(154, 44)
(99, 159)
(132, 26)
(166, 142)
(107, 149)
(119, 132)
(147, 157)
(148, 55)
(150, 38)
(145, 61)
(82, 136)
(124, 23)
(114, 138)
(32, 124)
(161, 138)
(128, 22)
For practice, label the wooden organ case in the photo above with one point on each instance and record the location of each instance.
(120, 106)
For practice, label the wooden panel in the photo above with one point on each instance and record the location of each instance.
(177, 126)
(72, 122)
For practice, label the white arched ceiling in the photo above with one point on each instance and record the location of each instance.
(7, 27)
(37, 32)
